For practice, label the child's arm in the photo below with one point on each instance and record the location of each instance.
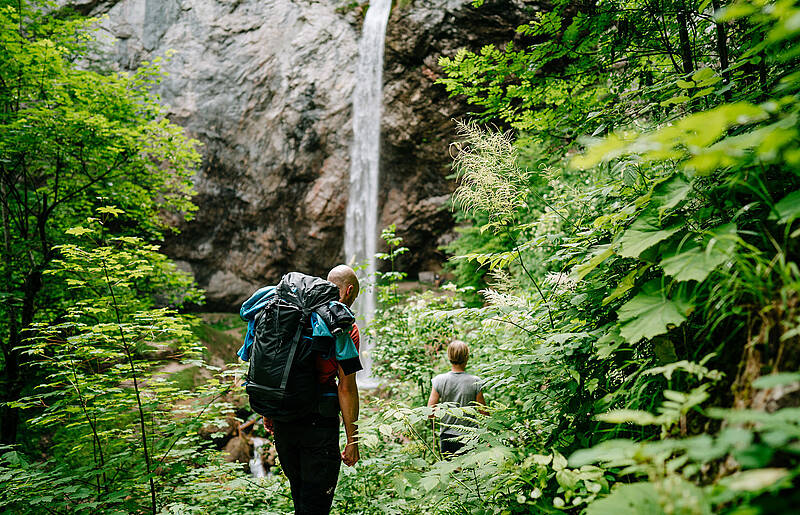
(480, 400)
(433, 400)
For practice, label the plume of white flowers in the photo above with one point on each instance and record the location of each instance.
(499, 299)
(490, 178)
(562, 283)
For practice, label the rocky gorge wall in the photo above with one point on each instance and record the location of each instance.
(266, 86)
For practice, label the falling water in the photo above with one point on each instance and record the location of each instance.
(257, 462)
(361, 224)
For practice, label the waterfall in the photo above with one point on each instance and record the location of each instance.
(257, 469)
(361, 223)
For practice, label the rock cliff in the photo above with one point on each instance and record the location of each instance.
(266, 86)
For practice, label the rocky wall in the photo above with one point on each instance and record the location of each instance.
(266, 86)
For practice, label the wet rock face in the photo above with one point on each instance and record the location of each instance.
(266, 86)
(417, 125)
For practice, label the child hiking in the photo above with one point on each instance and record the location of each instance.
(459, 387)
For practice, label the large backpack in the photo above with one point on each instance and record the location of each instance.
(282, 379)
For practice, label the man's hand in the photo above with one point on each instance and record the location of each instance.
(348, 401)
(350, 455)
(268, 427)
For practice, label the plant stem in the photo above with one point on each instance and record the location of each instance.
(514, 324)
(722, 49)
(477, 487)
(92, 425)
(135, 387)
(417, 435)
(530, 276)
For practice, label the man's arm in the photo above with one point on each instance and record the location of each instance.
(348, 401)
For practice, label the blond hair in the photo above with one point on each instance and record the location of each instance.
(458, 352)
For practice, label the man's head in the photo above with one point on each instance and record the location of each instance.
(345, 278)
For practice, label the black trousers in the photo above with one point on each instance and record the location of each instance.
(449, 445)
(309, 453)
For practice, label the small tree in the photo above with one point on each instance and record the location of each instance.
(71, 140)
(106, 408)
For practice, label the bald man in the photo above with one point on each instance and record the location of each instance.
(345, 279)
(309, 448)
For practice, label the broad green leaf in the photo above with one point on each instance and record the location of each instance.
(623, 287)
(670, 193)
(702, 74)
(788, 209)
(680, 99)
(429, 482)
(651, 313)
(664, 350)
(605, 149)
(541, 459)
(559, 461)
(77, 231)
(696, 132)
(600, 254)
(606, 345)
(755, 480)
(111, 210)
(671, 495)
(567, 479)
(643, 234)
(616, 450)
(621, 416)
(694, 261)
(369, 440)
(703, 92)
(633, 499)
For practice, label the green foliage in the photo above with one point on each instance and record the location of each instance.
(640, 315)
(634, 235)
(122, 433)
(387, 289)
(92, 174)
(75, 141)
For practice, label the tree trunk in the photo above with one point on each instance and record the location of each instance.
(683, 34)
(722, 50)
(9, 417)
(14, 381)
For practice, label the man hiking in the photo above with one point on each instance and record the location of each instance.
(308, 443)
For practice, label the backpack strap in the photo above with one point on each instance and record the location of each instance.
(295, 343)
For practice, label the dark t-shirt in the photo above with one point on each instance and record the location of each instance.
(328, 369)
